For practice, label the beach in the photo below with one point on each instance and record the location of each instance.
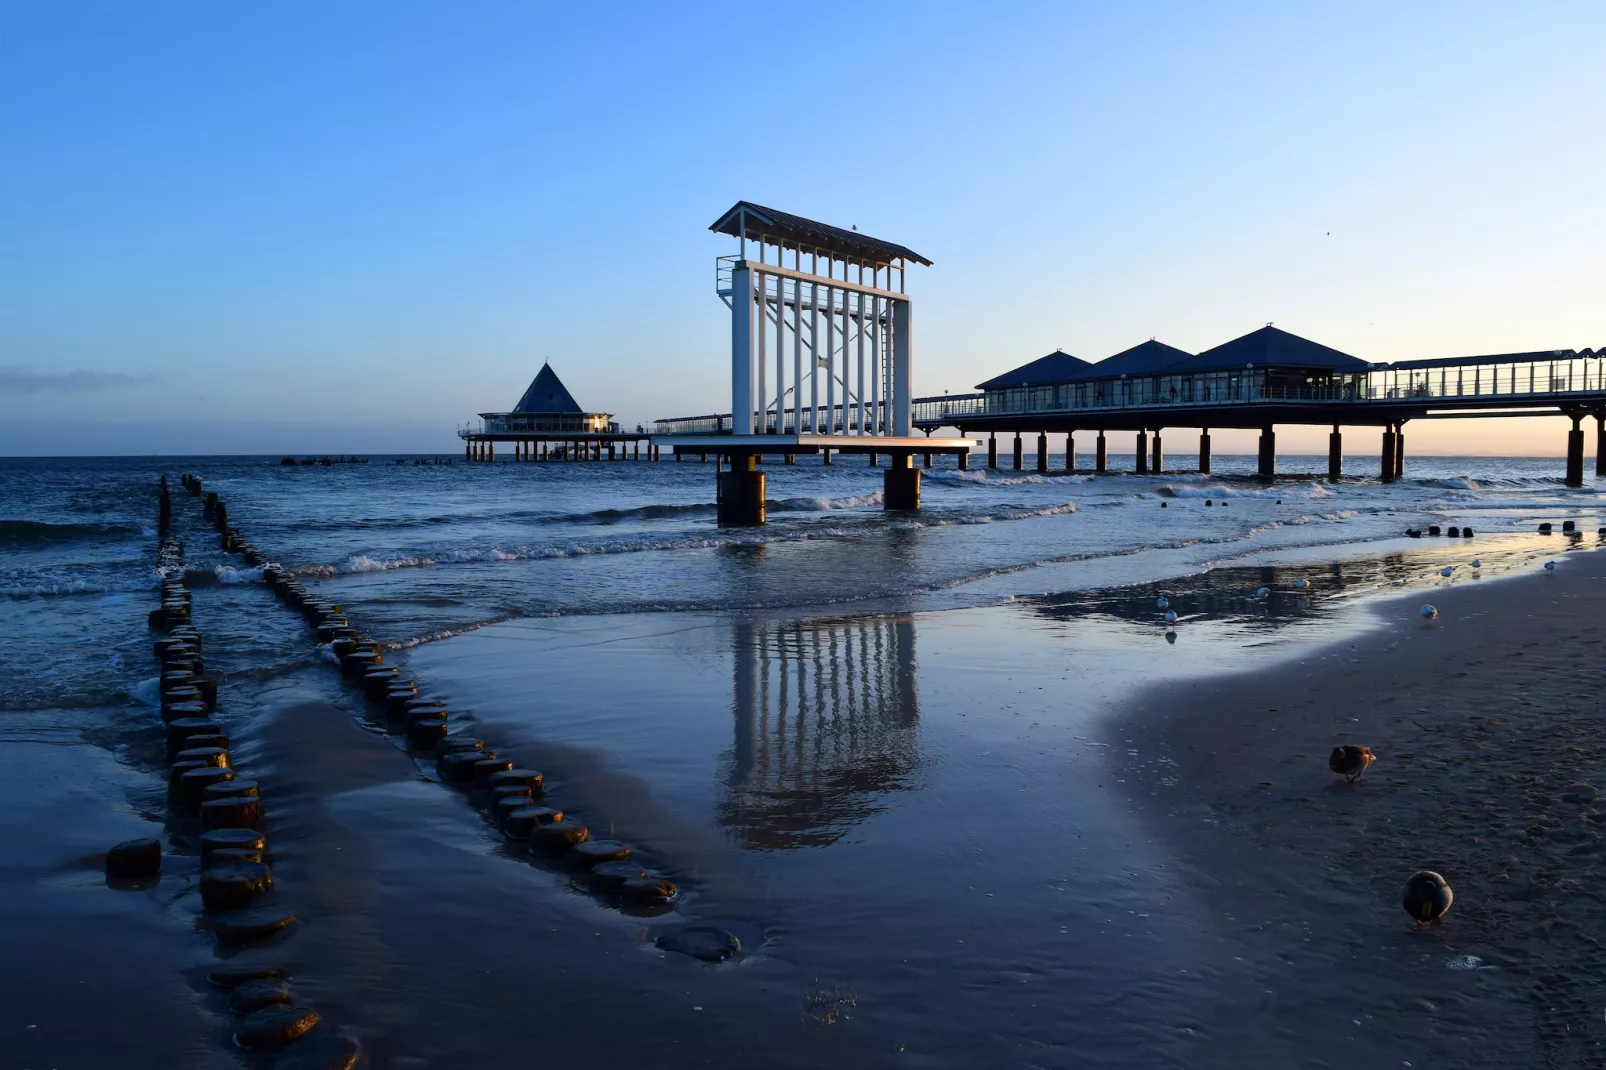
(998, 819)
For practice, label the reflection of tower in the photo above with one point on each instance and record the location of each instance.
(825, 723)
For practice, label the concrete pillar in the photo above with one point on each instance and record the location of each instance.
(1204, 450)
(468, 450)
(1335, 453)
(611, 456)
(1042, 451)
(900, 485)
(1070, 452)
(1141, 454)
(1101, 455)
(741, 493)
(1019, 456)
(992, 450)
(1268, 452)
(1387, 471)
(636, 447)
(490, 453)
(1575, 454)
(1158, 464)
(1399, 451)
(1600, 444)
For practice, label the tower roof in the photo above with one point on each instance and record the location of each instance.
(1057, 367)
(547, 393)
(1271, 346)
(1145, 358)
(796, 232)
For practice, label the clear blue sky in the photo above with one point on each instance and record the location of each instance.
(312, 226)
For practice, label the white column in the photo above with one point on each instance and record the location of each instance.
(830, 360)
(797, 353)
(780, 352)
(858, 331)
(875, 365)
(763, 331)
(814, 356)
(742, 349)
(902, 368)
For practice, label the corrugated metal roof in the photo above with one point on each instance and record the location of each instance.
(547, 393)
(1271, 347)
(1057, 367)
(794, 230)
(1145, 358)
(1493, 358)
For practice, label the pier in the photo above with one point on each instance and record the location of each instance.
(1266, 378)
(548, 425)
(822, 358)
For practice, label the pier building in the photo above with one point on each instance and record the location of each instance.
(822, 358)
(548, 424)
(1265, 378)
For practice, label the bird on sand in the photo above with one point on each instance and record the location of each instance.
(1264, 592)
(1427, 897)
(1428, 612)
(1350, 761)
(1161, 603)
(1550, 566)
(1170, 616)
(1445, 571)
(1476, 563)
(1301, 584)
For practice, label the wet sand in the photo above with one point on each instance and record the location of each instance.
(1492, 744)
(929, 859)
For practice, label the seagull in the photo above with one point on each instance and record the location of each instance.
(1264, 592)
(1170, 616)
(1301, 584)
(1428, 612)
(1445, 571)
(1161, 603)
(1476, 563)
(1427, 897)
(1550, 566)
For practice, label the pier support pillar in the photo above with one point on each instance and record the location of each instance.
(741, 493)
(900, 485)
(1018, 452)
(1042, 451)
(1335, 454)
(468, 451)
(1101, 455)
(964, 462)
(827, 455)
(1399, 451)
(1204, 450)
(1158, 464)
(1386, 473)
(992, 450)
(875, 462)
(791, 458)
(1575, 454)
(1600, 444)
(1268, 452)
(1070, 453)
(490, 452)
(925, 460)
(1142, 454)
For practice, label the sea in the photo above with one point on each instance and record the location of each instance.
(873, 746)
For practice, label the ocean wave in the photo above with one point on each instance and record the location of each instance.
(1301, 491)
(70, 588)
(147, 692)
(39, 533)
(824, 505)
(983, 479)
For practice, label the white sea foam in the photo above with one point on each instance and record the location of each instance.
(147, 692)
(230, 574)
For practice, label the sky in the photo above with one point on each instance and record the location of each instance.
(309, 227)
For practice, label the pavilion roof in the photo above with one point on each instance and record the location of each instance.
(1057, 367)
(794, 231)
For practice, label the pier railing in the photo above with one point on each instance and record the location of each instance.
(815, 420)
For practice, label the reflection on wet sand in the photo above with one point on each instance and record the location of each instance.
(825, 716)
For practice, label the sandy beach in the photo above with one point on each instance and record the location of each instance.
(1488, 725)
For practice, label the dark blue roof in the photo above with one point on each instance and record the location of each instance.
(1272, 347)
(1146, 358)
(547, 394)
(798, 232)
(1057, 367)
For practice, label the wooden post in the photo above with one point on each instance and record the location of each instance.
(1204, 450)
(1142, 454)
(1042, 451)
(1158, 464)
(1101, 455)
(1018, 452)
(1335, 454)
